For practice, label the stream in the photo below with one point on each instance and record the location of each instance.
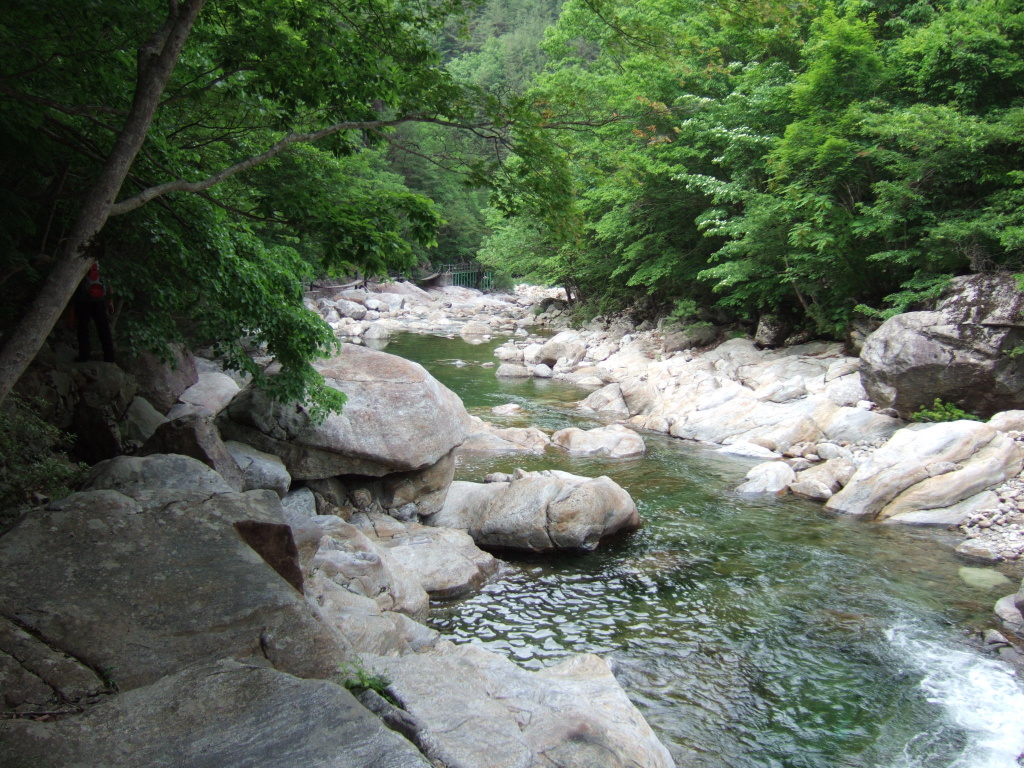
(750, 631)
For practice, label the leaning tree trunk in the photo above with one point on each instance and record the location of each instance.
(157, 59)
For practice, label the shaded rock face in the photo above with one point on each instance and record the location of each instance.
(162, 383)
(164, 579)
(679, 339)
(389, 399)
(277, 721)
(539, 511)
(196, 436)
(957, 353)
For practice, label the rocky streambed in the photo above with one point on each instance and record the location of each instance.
(260, 561)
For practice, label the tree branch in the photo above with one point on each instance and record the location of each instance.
(180, 185)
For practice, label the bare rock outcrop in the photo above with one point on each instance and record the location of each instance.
(957, 353)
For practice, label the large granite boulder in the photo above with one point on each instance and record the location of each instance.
(498, 715)
(218, 715)
(169, 570)
(569, 345)
(539, 511)
(957, 352)
(928, 467)
(397, 418)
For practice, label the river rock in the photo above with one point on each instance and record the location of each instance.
(748, 451)
(542, 371)
(822, 481)
(568, 345)
(955, 514)
(613, 441)
(901, 475)
(276, 721)
(539, 511)
(213, 392)
(498, 715)
(508, 409)
(956, 353)
(607, 400)
(196, 436)
(772, 477)
(509, 353)
(512, 371)
(1010, 615)
(259, 469)
(169, 578)
(487, 437)
(475, 328)
(140, 421)
(1008, 421)
(680, 339)
(347, 557)
(350, 309)
(772, 331)
(397, 418)
(446, 562)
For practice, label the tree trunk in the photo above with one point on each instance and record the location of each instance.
(157, 59)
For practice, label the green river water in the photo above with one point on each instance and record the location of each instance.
(749, 631)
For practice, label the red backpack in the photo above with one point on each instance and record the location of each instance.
(94, 288)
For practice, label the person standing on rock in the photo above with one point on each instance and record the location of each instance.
(93, 303)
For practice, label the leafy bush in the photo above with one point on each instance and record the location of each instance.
(32, 467)
(941, 411)
(357, 678)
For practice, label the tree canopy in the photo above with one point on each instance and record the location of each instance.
(804, 159)
(178, 140)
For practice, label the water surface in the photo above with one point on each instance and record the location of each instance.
(751, 632)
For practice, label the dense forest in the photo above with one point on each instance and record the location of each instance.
(705, 160)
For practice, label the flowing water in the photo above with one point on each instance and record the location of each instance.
(749, 631)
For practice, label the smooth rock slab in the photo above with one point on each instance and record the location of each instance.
(259, 469)
(613, 441)
(445, 561)
(146, 585)
(213, 391)
(497, 715)
(911, 471)
(397, 418)
(223, 715)
(539, 511)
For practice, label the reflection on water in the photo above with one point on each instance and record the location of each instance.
(750, 632)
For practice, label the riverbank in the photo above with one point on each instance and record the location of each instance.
(802, 407)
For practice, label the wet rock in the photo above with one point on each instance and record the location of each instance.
(772, 477)
(613, 441)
